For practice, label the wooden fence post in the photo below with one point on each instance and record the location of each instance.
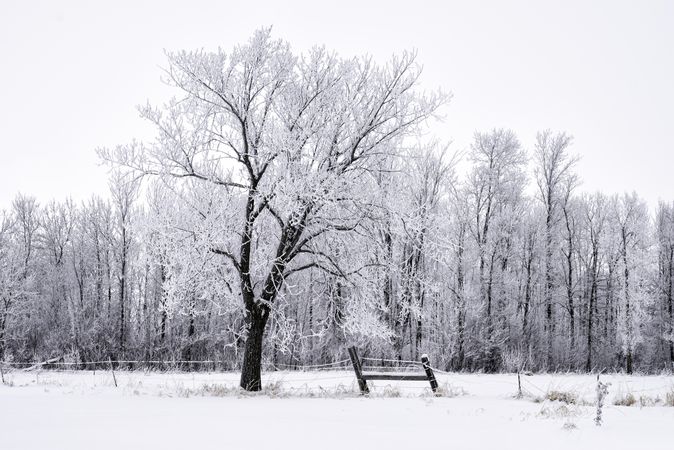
(362, 384)
(429, 372)
(114, 378)
(519, 385)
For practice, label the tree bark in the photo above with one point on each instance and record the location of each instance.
(670, 297)
(549, 285)
(251, 379)
(628, 310)
(591, 306)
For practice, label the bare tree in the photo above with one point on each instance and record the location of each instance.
(631, 220)
(124, 193)
(292, 139)
(665, 282)
(553, 166)
(495, 187)
(596, 211)
(569, 252)
(10, 275)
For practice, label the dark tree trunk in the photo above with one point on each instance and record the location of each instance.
(529, 251)
(191, 331)
(569, 296)
(591, 308)
(460, 301)
(670, 296)
(3, 324)
(588, 363)
(122, 295)
(628, 310)
(549, 285)
(251, 379)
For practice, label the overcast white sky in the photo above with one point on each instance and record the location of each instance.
(72, 73)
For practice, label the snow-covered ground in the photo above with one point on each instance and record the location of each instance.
(321, 410)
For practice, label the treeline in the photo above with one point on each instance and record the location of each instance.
(471, 270)
(288, 207)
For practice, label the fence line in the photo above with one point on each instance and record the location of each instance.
(313, 366)
(403, 365)
(119, 361)
(10, 364)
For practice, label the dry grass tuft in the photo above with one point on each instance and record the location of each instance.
(625, 400)
(569, 426)
(669, 398)
(570, 398)
(449, 390)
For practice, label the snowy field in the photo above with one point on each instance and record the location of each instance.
(322, 410)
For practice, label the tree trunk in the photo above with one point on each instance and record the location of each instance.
(549, 320)
(251, 379)
(460, 301)
(628, 310)
(569, 296)
(122, 296)
(588, 363)
(670, 296)
(3, 324)
(529, 252)
(591, 308)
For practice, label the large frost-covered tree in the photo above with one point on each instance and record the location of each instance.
(290, 142)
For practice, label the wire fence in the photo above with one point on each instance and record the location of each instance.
(169, 363)
(529, 385)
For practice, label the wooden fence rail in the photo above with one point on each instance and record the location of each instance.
(364, 377)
